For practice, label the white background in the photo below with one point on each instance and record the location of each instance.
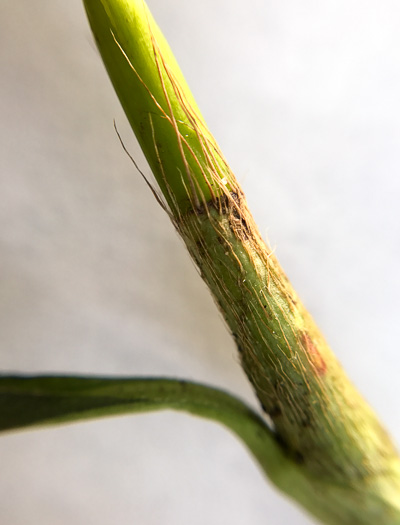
(303, 97)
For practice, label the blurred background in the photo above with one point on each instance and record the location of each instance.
(303, 97)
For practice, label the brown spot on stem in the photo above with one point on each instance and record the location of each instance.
(313, 354)
(298, 457)
(275, 411)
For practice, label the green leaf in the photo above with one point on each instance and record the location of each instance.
(27, 402)
(48, 400)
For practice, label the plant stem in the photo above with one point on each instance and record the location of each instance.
(325, 426)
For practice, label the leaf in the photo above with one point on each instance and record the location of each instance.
(33, 401)
(27, 401)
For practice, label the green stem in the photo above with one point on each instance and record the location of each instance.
(161, 110)
(326, 427)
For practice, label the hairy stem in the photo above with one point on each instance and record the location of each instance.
(325, 426)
